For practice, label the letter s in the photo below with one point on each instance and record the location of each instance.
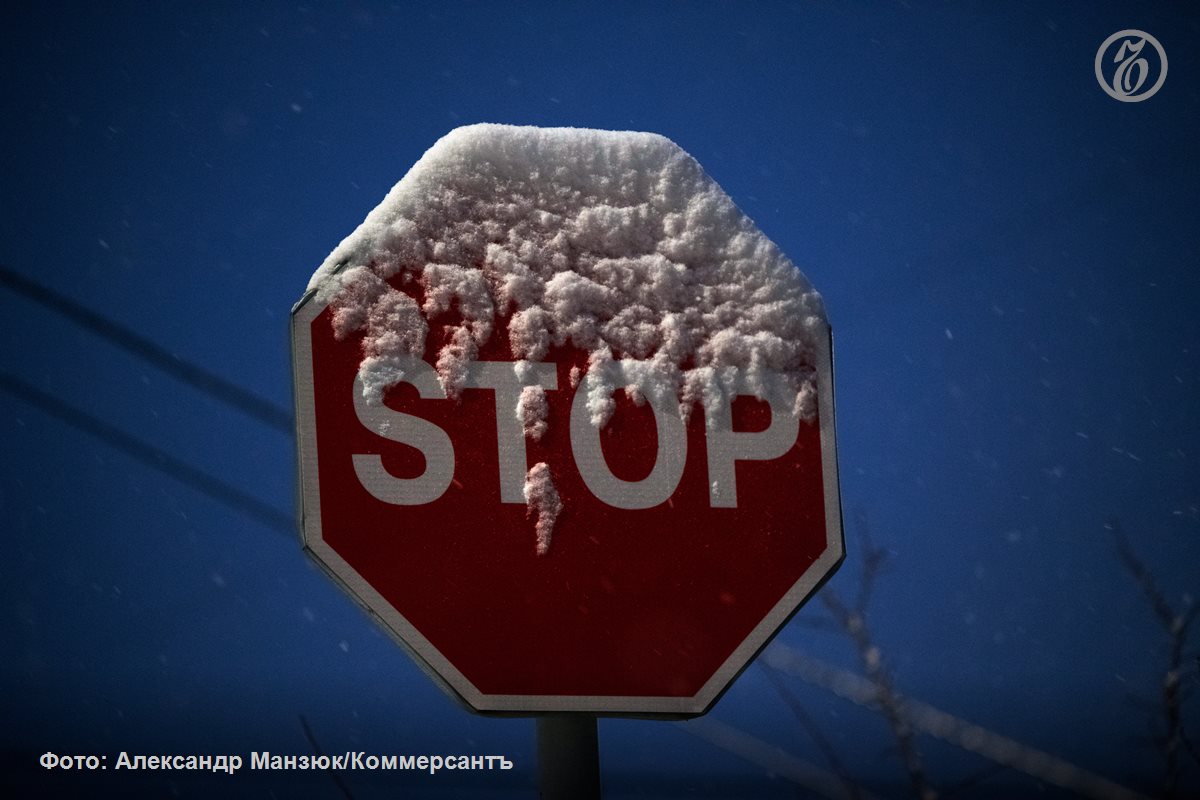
(431, 440)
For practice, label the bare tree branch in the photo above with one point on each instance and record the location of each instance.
(312, 740)
(853, 790)
(971, 781)
(818, 623)
(853, 621)
(890, 703)
(1176, 624)
(948, 728)
(768, 756)
(1162, 609)
(873, 563)
(1188, 746)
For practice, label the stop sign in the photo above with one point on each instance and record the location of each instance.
(565, 424)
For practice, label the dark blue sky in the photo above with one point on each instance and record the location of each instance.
(1008, 256)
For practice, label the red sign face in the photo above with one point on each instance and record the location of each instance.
(680, 549)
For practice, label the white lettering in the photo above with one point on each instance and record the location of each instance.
(660, 484)
(415, 432)
(727, 446)
(507, 379)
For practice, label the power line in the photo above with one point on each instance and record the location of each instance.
(132, 342)
(149, 455)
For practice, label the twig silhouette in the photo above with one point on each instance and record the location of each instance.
(1176, 622)
(853, 620)
(946, 727)
(771, 757)
(973, 780)
(1191, 748)
(312, 740)
(853, 790)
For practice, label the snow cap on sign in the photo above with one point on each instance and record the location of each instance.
(617, 243)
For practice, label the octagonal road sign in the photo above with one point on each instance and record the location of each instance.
(565, 424)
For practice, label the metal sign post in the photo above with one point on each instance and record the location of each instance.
(568, 757)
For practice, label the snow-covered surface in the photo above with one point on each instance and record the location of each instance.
(542, 500)
(616, 243)
(532, 409)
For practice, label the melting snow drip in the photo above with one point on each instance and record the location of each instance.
(532, 410)
(615, 243)
(541, 498)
